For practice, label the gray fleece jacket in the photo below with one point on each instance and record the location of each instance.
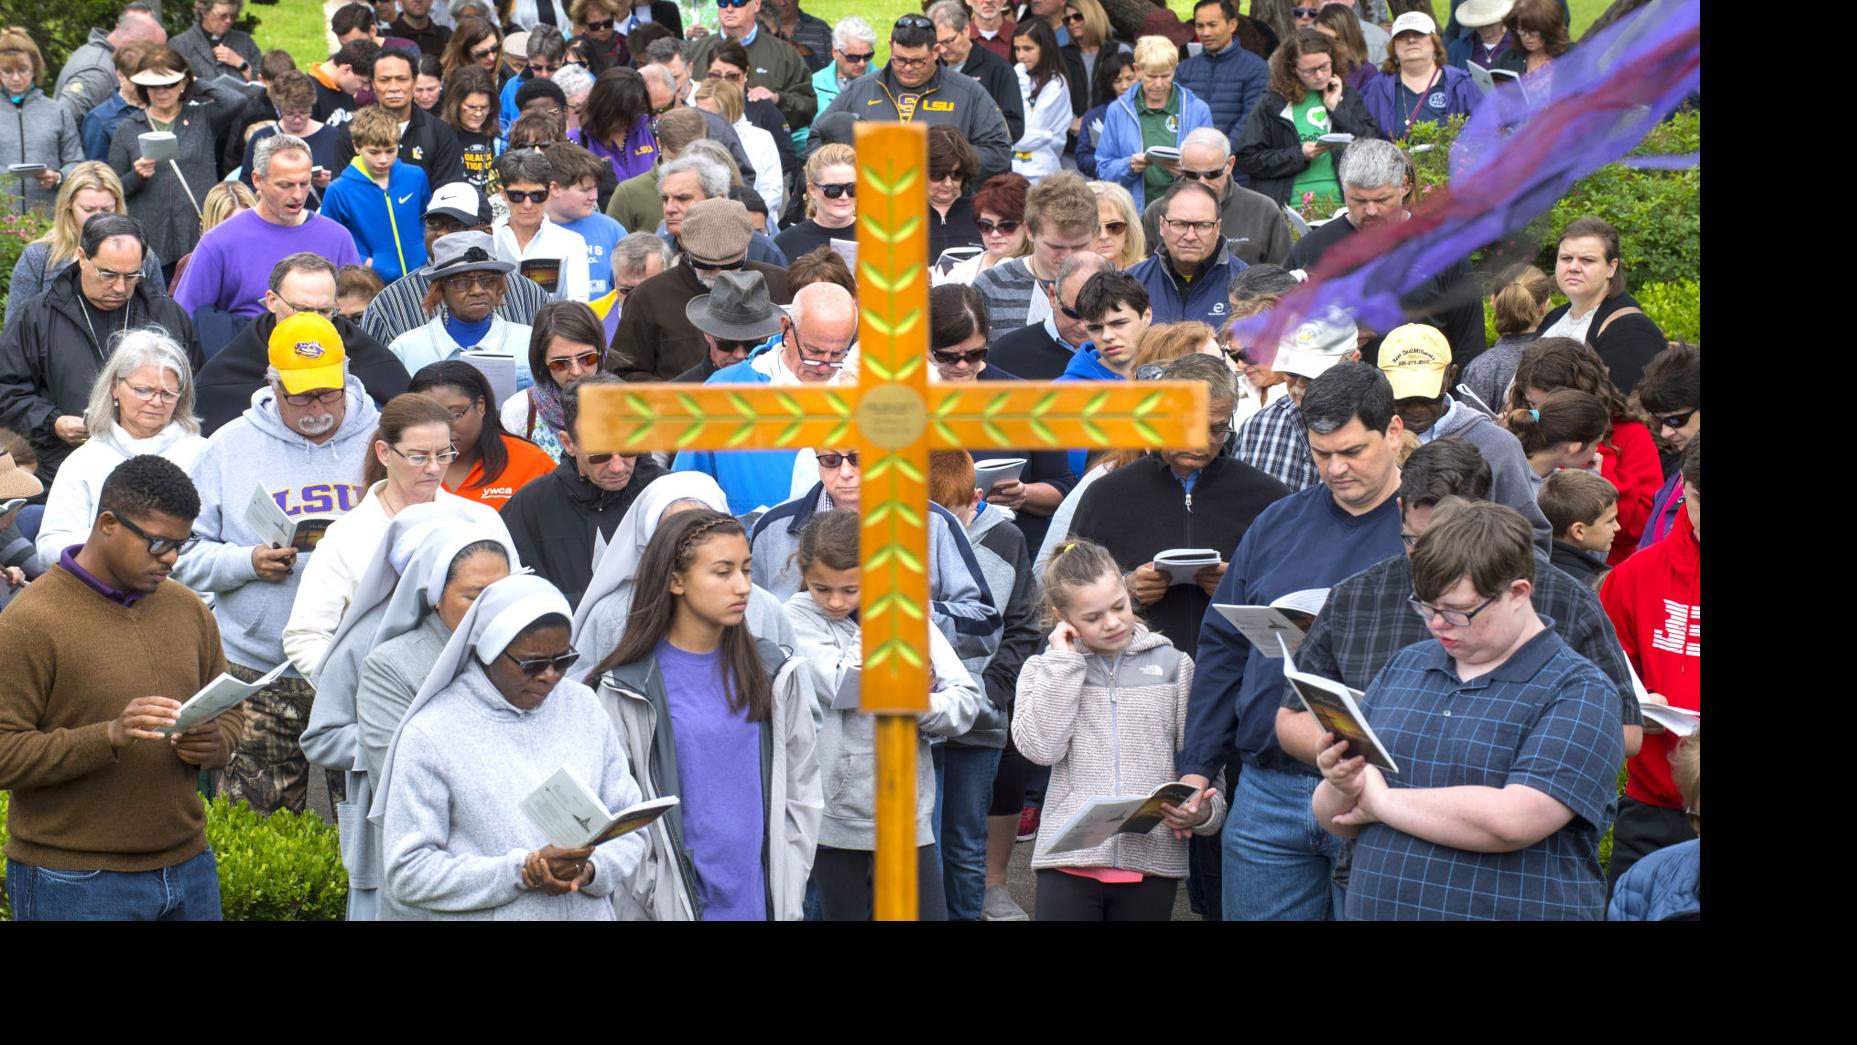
(255, 450)
(37, 130)
(1512, 481)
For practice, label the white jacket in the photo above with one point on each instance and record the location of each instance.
(333, 573)
(430, 343)
(551, 241)
(765, 156)
(71, 507)
(1040, 150)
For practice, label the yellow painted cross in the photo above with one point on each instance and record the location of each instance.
(894, 417)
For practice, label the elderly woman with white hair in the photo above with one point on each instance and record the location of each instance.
(854, 47)
(1156, 112)
(142, 403)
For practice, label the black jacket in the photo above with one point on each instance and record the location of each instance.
(1141, 509)
(1586, 567)
(429, 144)
(1031, 353)
(1270, 152)
(955, 230)
(236, 371)
(1627, 346)
(1449, 300)
(1075, 77)
(996, 75)
(49, 358)
(553, 518)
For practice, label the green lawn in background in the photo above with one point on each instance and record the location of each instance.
(297, 26)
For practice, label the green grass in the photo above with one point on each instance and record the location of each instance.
(297, 26)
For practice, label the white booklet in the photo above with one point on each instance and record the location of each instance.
(218, 697)
(1480, 76)
(1103, 818)
(278, 530)
(1289, 616)
(572, 816)
(995, 470)
(850, 694)
(1337, 708)
(1180, 564)
(847, 249)
(499, 367)
(1157, 153)
(1681, 722)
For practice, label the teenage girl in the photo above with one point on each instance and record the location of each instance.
(1563, 432)
(824, 615)
(1105, 708)
(723, 721)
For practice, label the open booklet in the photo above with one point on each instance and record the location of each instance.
(1180, 564)
(571, 814)
(1681, 722)
(995, 470)
(1103, 818)
(278, 530)
(218, 697)
(1288, 615)
(1337, 708)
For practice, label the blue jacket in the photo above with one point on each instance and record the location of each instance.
(1121, 138)
(1664, 885)
(1203, 299)
(1086, 364)
(388, 225)
(1454, 93)
(749, 478)
(1230, 84)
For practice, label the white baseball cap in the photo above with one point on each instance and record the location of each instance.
(1318, 343)
(1414, 22)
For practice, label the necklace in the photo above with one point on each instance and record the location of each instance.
(84, 306)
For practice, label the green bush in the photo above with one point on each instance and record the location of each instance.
(1658, 214)
(16, 230)
(63, 27)
(286, 867)
(1677, 308)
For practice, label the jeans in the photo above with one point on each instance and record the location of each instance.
(185, 892)
(963, 793)
(1278, 863)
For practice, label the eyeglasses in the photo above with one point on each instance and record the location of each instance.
(912, 63)
(1676, 420)
(459, 414)
(146, 394)
(837, 460)
(327, 397)
(858, 59)
(1070, 311)
(949, 357)
(325, 311)
(1200, 227)
(1073, 16)
(475, 280)
(481, 53)
(1115, 228)
(1201, 175)
(737, 76)
(127, 279)
(838, 190)
(948, 175)
(625, 289)
(1219, 432)
(819, 362)
(159, 546)
(542, 69)
(536, 667)
(419, 458)
(561, 364)
(1455, 618)
(599, 459)
(600, 26)
(1002, 228)
(530, 195)
(1323, 70)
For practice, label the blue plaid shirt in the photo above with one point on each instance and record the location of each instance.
(1274, 442)
(1545, 718)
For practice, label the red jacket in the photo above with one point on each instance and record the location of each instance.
(1655, 602)
(1629, 462)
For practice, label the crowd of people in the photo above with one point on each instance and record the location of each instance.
(292, 391)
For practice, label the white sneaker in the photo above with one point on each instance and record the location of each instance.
(1000, 907)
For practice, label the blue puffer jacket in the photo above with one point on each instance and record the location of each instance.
(1455, 92)
(1121, 138)
(1666, 884)
(1203, 300)
(1230, 84)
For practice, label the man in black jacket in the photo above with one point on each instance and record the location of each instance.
(427, 143)
(957, 51)
(558, 520)
(51, 352)
(301, 282)
(1179, 499)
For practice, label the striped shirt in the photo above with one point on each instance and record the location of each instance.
(396, 310)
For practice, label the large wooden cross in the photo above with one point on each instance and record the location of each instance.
(895, 417)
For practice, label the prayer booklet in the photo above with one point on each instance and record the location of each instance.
(1289, 616)
(1180, 564)
(278, 530)
(218, 697)
(1336, 138)
(1681, 722)
(995, 470)
(1103, 818)
(1337, 708)
(159, 145)
(850, 691)
(571, 815)
(1162, 153)
(847, 249)
(546, 272)
(24, 168)
(499, 368)
(1481, 77)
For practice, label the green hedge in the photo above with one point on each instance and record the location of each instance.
(63, 26)
(286, 867)
(16, 230)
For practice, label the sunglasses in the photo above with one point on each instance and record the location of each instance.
(600, 26)
(1070, 312)
(1305, 12)
(1115, 228)
(706, 266)
(837, 460)
(915, 22)
(947, 175)
(988, 228)
(476, 280)
(529, 196)
(725, 4)
(533, 668)
(483, 53)
(1676, 420)
(1074, 16)
(159, 546)
(560, 365)
(972, 357)
(1200, 175)
(600, 459)
(838, 190)
(859, 59)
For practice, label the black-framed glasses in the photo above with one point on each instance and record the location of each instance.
(1455, 618)
(561, 364)
(476, 280)
(836, 460)
(837, 190)
(530, 195)
(159, 546)
(326, 397)
(600, 26)
(533, 668)
(1676, 420)
(1004, 228)
(1219, 432)
(949, 357)
(858, 59)
(1202, 228)
(419, 458)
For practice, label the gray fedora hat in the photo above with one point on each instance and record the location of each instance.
(463, 252)
(736, 309)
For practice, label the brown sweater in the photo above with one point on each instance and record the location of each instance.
(73, 660)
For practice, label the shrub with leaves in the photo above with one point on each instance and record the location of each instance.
(1677, 308)
(1658, 213)
(16, 230)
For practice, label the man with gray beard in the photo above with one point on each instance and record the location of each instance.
(300, 445)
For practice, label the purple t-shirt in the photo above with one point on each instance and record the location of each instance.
(231, 266)
(638, 156)
(719, 784)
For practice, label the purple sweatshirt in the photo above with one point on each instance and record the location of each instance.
(641, 149)
(231, 266)
(719, 784)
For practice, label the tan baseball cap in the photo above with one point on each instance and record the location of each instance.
(1414, 358)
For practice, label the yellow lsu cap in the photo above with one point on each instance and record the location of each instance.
(307, 353)
(1414, 358)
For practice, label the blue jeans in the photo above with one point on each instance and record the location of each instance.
(186, 892)
(963, 793)
(1278, 862)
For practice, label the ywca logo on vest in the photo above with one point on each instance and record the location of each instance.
(1682, 630)
(319, 499)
